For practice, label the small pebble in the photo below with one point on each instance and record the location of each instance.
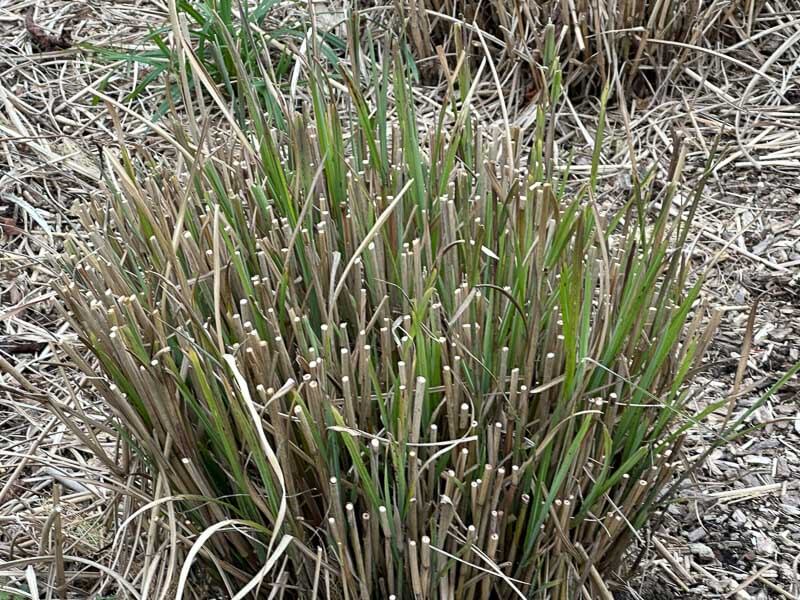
(697, 534)
(702, 552)
(764, 545)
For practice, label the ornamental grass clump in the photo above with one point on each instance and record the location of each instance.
(361, 357)
(640, 43)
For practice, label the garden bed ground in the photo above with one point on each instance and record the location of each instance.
(734, 530)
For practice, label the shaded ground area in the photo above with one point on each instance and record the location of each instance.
(735, 529)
